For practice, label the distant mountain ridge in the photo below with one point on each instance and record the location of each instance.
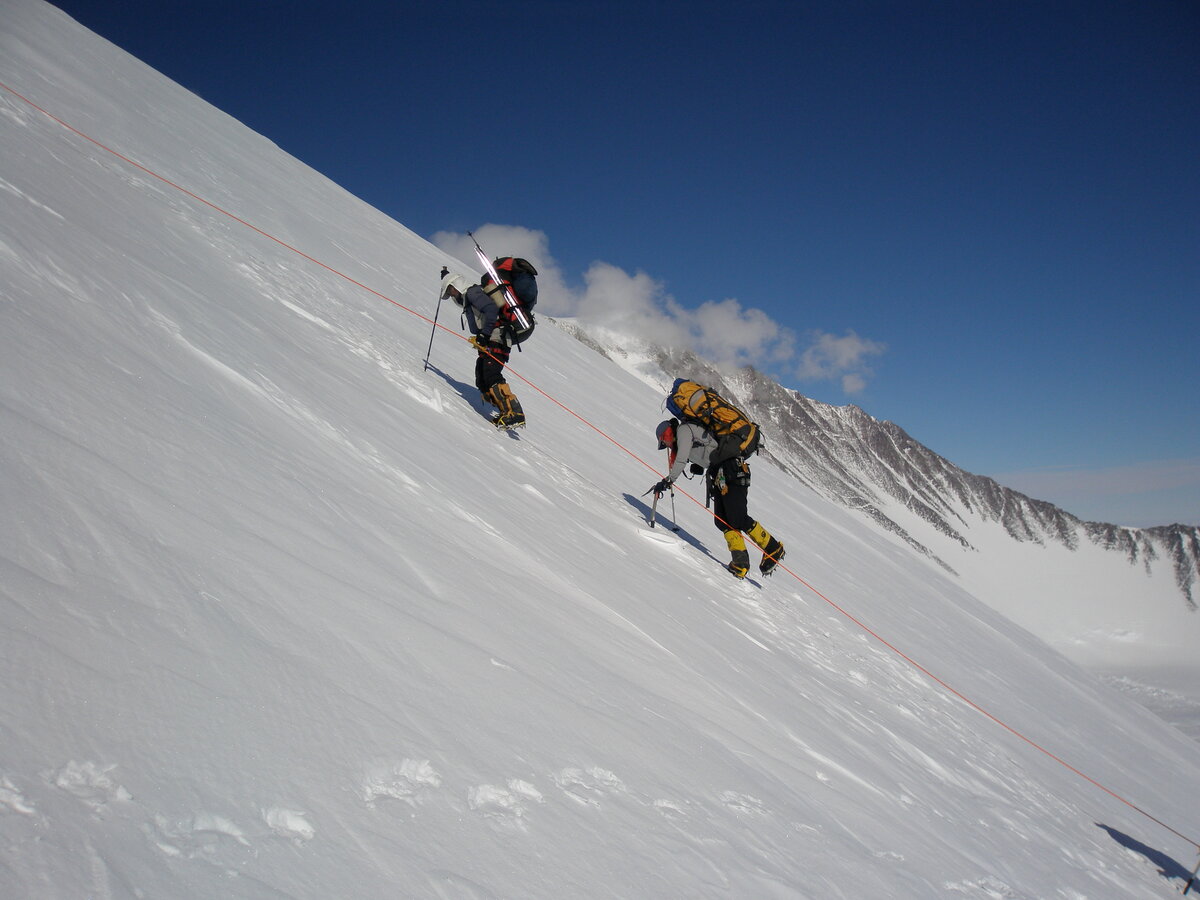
(860, 462)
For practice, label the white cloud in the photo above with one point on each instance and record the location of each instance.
(517, 241)
(513, 240)
(725, 332)
(854, 383)
(845, 358)
(741, 336)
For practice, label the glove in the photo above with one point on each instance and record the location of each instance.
(661, 488)
(479, 343)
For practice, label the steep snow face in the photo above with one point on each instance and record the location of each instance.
(280, 615)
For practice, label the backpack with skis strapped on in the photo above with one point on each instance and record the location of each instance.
(736, 434)
(520, 277)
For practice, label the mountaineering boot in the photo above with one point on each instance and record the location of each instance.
(772, 550)
(740, 564)
(511, 415)
(489, 399)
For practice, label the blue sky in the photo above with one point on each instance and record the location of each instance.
(980, 220)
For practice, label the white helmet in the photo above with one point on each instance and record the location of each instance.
(458, 282)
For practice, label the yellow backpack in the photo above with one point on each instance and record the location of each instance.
(736, 434)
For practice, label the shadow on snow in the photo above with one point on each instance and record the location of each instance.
(1168, 868)
(644, 511)
(468, 392)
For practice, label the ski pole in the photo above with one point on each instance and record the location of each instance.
(674, 527)
(433, 331)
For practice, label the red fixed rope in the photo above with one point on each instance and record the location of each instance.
(845, 613)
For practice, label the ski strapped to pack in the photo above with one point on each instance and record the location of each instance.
(518, 311)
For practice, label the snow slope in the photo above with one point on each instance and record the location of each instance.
(280, 616)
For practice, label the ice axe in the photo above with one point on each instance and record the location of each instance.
(654, 506)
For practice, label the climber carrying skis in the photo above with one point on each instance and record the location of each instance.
(714, 437)
(493, 337)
